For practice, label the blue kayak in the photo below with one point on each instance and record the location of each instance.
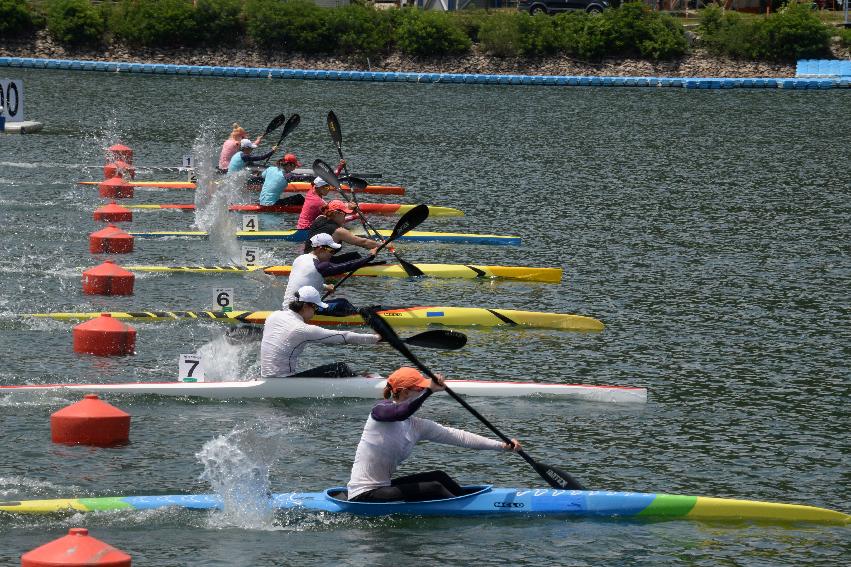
(479, 500)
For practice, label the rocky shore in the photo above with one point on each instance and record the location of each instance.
(696, 64)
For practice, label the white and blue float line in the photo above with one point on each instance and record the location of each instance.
(798, 83)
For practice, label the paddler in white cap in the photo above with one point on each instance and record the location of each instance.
(287, 332)
(311, 269)
(243, 157)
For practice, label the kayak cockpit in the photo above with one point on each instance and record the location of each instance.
(339, 495)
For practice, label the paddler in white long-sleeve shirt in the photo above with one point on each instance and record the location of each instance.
(287, 333)
(389, 436)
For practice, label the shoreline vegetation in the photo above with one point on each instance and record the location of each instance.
(630, 40)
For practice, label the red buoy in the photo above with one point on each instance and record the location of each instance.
(108, 279)
(104, 336)
(110, 240)
(115, 188)
(113, 212)
(76, 548)
(90, 422)
(119, 168)
(121, 152)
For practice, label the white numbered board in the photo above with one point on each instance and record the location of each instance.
(12, 99)
(190, 368)
(188, 162)
(249, 255)
(223, 299)
(250, 223)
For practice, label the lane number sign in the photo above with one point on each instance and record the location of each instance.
(190, 368)
(223, 299)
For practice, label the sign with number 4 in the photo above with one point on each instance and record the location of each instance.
(190, 368)
(223, 299)
(250, 223)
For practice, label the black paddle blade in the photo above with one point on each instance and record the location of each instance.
(291, 125)
(439, 338)
(334, 129)
(323, 170)
(409, 221)
(386, 332)
(356, 184)
(557, 478)
(275, 123)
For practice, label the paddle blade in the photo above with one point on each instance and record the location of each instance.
(334, 129)
(356, 184)
(439, 338)
(557, 478)
(409, 221)
(323, 170)
(291, 125)
(386, 332)
(275, 123)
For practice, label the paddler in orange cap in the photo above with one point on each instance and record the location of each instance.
(389, 436)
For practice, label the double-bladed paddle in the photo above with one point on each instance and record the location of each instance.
(275, 124)
(356, 185)
(437, 338)
(406, 223)
(291, 125)
(556, 478)
(324, 171)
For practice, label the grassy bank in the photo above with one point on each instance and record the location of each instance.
(359, 31)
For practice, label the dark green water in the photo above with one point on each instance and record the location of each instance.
(709, 230)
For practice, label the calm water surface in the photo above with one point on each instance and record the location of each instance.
(708, 230)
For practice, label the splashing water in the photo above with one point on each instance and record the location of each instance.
(213, 194)
(224, 361)
(237, 467)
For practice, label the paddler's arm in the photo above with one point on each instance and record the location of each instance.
(264, 157)
(344, 235)
(328, 269)
(399, 411)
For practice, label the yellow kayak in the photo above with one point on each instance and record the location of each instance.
(397, 317)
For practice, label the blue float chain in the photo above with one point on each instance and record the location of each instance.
(839, 75)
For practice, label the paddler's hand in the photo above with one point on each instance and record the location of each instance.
(513, 446)
(373, 252)
(328, 287)
(437, 385)
(274, 148)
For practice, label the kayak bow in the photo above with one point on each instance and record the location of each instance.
(301, 236)
(381, 209)
(398, 317)
(459, 271)
(481, 500)
(371, 387)
(292, 187)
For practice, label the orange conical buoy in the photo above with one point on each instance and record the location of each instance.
(121, 152)
(76, 548)
(108, 279)
(104, 336)
(119, 168)
(113, 212)
(90, 421)
(110, 240)
(115, 188)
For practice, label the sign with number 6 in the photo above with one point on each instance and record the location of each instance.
(223, 299)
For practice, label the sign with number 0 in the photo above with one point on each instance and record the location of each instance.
(249, 255)
(250, 223)
(190, 368)
(223, 299)
(12, 99)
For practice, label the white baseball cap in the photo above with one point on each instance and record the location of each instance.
(246, 143)
(308, 294)
(324, 239)
(319, 182)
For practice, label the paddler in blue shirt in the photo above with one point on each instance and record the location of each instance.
(243, 157)
(276, 178)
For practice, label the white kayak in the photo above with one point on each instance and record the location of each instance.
(357, 387)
